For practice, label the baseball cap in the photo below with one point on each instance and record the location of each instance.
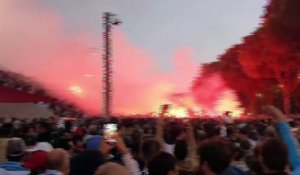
(15, 147)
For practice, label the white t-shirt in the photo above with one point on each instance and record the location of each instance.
(169, 148)
(41, 146)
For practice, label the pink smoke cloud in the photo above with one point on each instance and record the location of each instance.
(33, 43)
(208, 91)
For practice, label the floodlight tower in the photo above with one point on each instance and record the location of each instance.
(109, 20)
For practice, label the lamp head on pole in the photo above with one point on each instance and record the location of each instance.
(117, 22)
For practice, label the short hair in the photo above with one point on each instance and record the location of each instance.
(111, 168)
(93, 129)
(161, 164)
(86, 162)
(45, 125)
(63, 143)
(30, 140)
(239, 154)
(57, 158)
(149, 148)
(172, 131)
(274, 154)
(181, 150)
(217, 152)
(245, 144)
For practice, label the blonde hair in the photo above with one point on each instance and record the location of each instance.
(111, 168)
(57, 159)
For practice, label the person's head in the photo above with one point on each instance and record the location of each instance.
(93, 129)
(149, 148)
(35, 161)
(30, 140)
(253, 135)
(42, 127)
(172, 131)
(230, 131)
(215, 155)
(253, 164)
(15, 149)
(78, 144)
(239, 154)
(111, 168)
(273, 155)
(28, 130)
(162, 164)
(270, 132)
(65, 144)
(86, 163)
(181, 150)
(211, 129)
(59, 160)
(245, 144)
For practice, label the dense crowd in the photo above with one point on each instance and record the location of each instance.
(151, 146)
(19, 82)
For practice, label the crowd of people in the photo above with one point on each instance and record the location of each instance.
(150, 146)
(17, 81)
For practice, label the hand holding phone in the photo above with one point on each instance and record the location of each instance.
(110, 130)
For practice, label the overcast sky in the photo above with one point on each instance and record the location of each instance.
(160, 26)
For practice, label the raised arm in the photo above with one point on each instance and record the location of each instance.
(191, 138)
(285, 133)
(160, 123)
(192, 146)
(129, 162)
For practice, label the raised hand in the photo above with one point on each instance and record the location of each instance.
(274, 112)
(106, 147)
(120, 145)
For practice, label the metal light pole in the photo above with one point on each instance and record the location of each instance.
(109, 19)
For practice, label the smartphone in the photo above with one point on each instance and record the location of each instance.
(110, 131)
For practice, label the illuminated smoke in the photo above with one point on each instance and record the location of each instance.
(34, 43)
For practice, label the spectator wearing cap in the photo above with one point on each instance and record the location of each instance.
(36, 155)
(40, 146)
(36, 162)
(14, 153)
(33, 145)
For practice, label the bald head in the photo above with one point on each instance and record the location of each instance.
(112, 169)
(58, 159)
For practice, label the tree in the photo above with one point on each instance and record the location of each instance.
(249, 90)
(268, 61)
(273, 51)
(263, 55)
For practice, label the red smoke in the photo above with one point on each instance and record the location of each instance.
(214, 96)
(33, 42)
(208, 91)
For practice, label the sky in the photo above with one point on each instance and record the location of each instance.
(161, 26)
(157, 51)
